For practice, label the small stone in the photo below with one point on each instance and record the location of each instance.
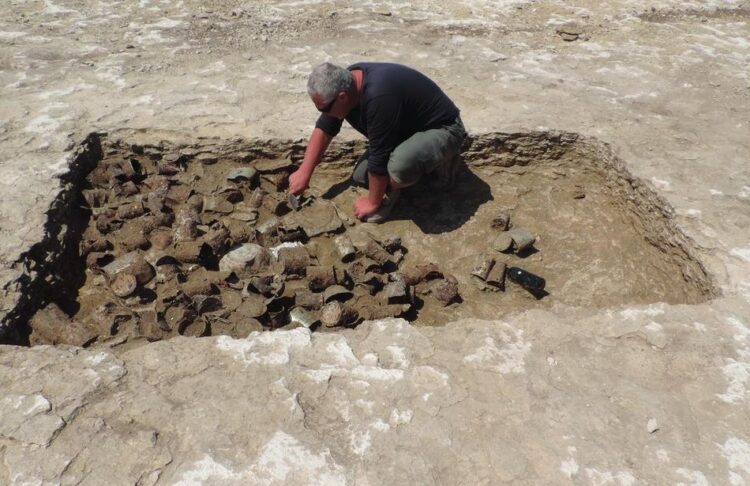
(178, 317)
(179, 194)
(652, 426)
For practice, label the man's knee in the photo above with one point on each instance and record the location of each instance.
(403, 172)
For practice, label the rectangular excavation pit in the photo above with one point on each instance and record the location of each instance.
(137, 242)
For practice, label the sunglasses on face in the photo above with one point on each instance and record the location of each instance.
(327, 107)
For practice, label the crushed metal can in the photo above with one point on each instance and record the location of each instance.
(300, 316)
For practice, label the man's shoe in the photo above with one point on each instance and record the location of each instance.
(359, 175)
(381, 215)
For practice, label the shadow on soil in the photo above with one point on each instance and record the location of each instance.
(438, 211)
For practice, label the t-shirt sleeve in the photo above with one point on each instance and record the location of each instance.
(329, 124)
(383, 114)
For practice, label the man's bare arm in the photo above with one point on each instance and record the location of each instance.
(367, 205)
(316, 147)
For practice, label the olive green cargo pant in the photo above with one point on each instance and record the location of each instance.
(431, 151)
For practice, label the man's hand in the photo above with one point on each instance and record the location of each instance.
(363, 207)
(299, 180)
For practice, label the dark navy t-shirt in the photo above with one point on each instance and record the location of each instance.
(396, 103)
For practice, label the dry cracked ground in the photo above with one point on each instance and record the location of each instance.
(635, 369)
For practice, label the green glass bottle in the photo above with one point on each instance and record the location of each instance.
(525, 279)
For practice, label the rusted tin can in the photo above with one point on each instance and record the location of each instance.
(345, 248)
(482, 266)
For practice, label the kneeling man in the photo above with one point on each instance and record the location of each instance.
(412, 127)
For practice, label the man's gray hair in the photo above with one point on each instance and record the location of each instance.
(326, 80)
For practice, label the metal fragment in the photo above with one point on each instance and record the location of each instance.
(482, 266)
(242, 174)
(445, 290)
(336, 292)
(256, 198)
(423, 272)
(345, 247)
(161, 240)
(130, 211)
(123, 284)
(496, 276)
(373, 250)
(503, 242)
(187, 224)
(302, 317)
(294, 260)
(336, 314)
(396, 290)
(307, 299)
(501, 221)
(320, 278)
(391, 243)
(522, 239)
